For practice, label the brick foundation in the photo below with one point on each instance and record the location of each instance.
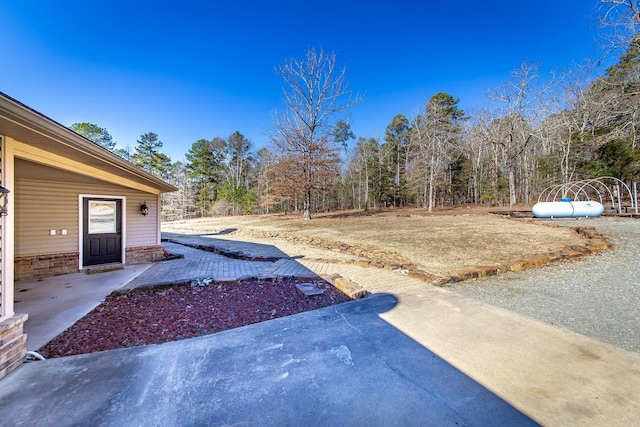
(40, 266)
(13, 343)
(144, 254)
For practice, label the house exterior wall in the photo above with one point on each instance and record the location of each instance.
(13, 341)
(6, 231)
(54, 204)
(2, 284)
(42, 206)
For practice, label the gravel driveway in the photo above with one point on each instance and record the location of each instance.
(598, 296)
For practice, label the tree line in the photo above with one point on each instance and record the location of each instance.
(218, 178)
(535, 131)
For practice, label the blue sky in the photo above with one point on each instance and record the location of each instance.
(199, 69)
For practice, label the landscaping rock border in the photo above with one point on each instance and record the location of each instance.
(349, 288)
(595, 242)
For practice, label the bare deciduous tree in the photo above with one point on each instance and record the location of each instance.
(315, 91)
(366, 152)
(619, 22)
(579, 114)
(477, 149)
(521, 106)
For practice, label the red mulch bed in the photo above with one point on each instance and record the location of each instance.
(157, 315)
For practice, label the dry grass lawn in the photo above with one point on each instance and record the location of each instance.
(440, 242)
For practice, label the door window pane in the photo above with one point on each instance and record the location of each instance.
(102, 217)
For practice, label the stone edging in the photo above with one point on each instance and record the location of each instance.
(349, 288)
(225, 252)
(208, 281)
(595, 242)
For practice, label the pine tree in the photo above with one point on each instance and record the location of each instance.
(148, 156)
(94, 133)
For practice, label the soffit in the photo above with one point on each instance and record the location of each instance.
(25, 169)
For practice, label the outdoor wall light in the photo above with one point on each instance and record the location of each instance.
(4, 201)
(144, 209)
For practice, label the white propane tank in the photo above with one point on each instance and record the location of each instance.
(568, 209)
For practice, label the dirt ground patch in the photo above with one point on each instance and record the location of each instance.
(439, 243)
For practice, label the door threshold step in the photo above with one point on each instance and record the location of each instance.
(103, 269)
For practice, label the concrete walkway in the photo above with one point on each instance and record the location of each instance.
(55, 303)
(422, 356)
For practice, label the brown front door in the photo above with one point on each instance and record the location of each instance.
(102, 231)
